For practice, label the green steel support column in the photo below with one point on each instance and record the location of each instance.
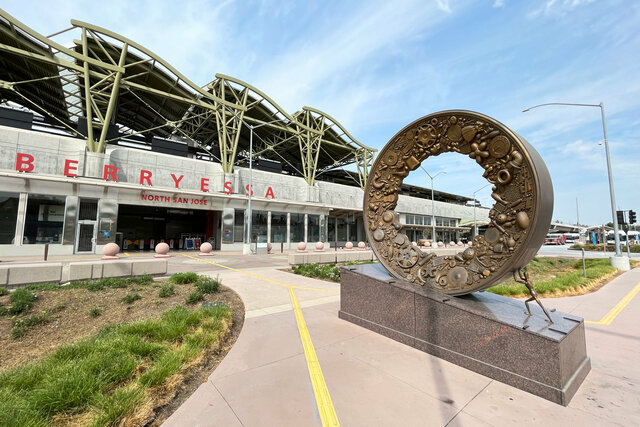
(112, 101)
(87, 94)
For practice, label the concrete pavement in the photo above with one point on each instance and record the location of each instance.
(374, 381)
(296, 363)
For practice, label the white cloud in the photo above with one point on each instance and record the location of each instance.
(498, 3)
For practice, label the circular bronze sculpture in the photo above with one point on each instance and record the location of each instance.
(519, 219)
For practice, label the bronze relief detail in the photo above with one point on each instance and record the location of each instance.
(519, 219)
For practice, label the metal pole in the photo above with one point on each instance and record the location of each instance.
(577, 213)
(433, 217)
(610, 174)
(249, 215)
(475, 223)
(584, 264)
(613, 196)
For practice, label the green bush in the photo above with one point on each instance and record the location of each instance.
(147, 279)
(130, 298)
(22, 300)
(95, 312)
(610, 248)
(184, 278)
(3, 291)
(324, 271)
(195, 297)
(167, 291)
(20, 327)
(207, 285)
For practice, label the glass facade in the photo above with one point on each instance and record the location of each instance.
(297, 228)
(353, 230)
(314, 228)
(259, 226)
(8, 216)
(238, 226)
(278, 227)
(44, 220)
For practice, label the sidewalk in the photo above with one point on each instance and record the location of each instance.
(375, 381)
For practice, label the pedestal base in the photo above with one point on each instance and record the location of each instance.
(162, 256)
(205, 254)
(486, 333)
(108, 258)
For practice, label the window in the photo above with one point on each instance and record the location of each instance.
(410, 219)
(342, 230)
(314, 228)
(259, 227)
(278, 227)
(45, 218)
(353, 230)
(419, 219)
(297, 227)
(238, 226)
(8, 216)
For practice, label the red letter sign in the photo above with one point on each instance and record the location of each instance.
(269, 193)
(227, 187)
(145, 175)
(177, 180)
(69, 167)
(110, 171)
(24, 162)
(247, 188)
(204, 184)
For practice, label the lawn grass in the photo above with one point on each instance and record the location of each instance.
(557, 276)
(103, 379)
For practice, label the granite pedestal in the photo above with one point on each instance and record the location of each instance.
(486, 333)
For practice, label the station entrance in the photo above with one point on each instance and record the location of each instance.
(141, 228)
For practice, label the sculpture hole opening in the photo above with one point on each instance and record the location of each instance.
(457, 184)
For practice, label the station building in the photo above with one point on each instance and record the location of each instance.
(106, 142)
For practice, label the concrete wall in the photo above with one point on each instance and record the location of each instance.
(17, 275)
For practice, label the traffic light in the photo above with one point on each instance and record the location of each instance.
(632, 217)
(620, 215)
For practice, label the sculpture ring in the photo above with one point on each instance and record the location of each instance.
(519, 219)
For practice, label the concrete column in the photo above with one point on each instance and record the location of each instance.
(269, 227)
(22, 214)
(306, 227)
(289, 229)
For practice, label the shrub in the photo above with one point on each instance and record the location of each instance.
(130, 298)
(20, 327)
(95, 312)
(147, 279)
(195, 297)
(22, 300)
(325, 271)
(207, 285)
(167, 291)
(184, 278)
(3, 291)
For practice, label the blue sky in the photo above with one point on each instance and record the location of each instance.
(376, 66)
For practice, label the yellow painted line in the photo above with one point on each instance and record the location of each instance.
(617, 309)
(266, 279)
(323, 398)
(126, 254)
(325, 406)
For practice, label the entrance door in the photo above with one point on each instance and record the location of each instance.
(86, 237)
(87, 226)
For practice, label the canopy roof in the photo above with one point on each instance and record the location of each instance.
(125, 90)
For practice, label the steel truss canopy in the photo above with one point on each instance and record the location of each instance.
(123, 90)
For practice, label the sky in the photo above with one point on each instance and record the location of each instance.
(376, 66)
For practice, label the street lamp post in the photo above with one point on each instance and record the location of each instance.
(433, 216)
(606, 147)
(475, 202)
(247, 246)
